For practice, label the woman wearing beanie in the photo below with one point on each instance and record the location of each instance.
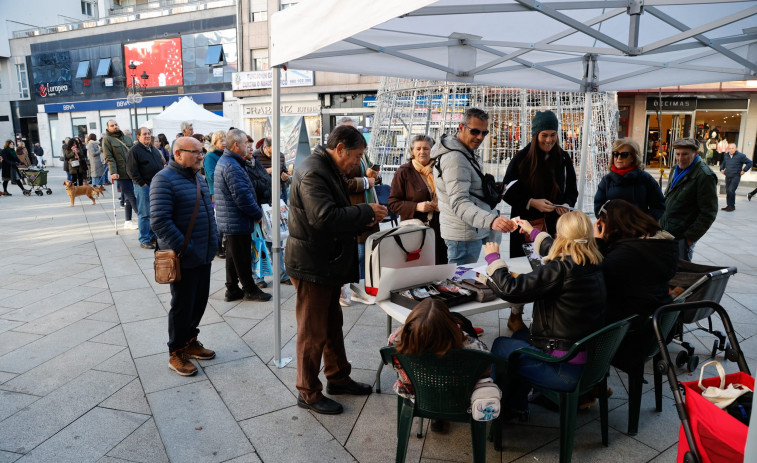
(544, 180)
(627, 180)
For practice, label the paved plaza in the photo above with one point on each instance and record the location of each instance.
(84, 371)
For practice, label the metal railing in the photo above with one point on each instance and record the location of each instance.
(119, 15)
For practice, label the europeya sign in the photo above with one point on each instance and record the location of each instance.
(52, 89)
(253, 80)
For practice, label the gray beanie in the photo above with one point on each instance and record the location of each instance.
(544, 120)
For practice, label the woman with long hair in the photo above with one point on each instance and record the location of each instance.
(568, 292)
(10, 165)
(413, 194)
(77, 164)
(540, 180)
(95, 155)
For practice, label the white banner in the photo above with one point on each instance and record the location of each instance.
(263, 79)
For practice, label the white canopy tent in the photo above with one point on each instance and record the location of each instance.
(203, 121)
(586, 45)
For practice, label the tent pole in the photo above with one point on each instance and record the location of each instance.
(275, 195)
(584, 149)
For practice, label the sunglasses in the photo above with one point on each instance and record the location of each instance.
(621, 154)
(476, 132)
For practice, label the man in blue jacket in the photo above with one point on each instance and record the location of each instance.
(173, 195)
(733, 166)
(237, 211)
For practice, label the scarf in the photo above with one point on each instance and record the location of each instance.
(679, 174)
(428, 176)
(622, 172)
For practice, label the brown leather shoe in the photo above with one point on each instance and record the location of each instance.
(195, 350)
(515, 322)
(179, 362)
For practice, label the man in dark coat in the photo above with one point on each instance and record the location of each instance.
(237, 211)
(39, 152)
(321, 256)
(143, 161)
(733, 166)
(173, 195)
(115, 148)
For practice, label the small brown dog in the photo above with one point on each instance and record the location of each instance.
(74, 191)
(99, 190)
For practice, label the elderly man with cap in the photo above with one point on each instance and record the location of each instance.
(691, 198)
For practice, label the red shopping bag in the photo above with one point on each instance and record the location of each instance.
(719, 437)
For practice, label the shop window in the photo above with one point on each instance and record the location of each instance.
(624, 112)
(215, 57)
(86, 8)
(82, 72)
(79, 127)
(287, 3)
(258, 10)
(23, 80)
(103, 67)
(260, 59)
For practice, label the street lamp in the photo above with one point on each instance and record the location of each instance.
(135, 97)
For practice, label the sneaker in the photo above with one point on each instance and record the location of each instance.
(261, 284)
(258, 296)
(179, 362)
(233, 295)
(147, 246)
(344, 299)
(195, 350)
(130, 225)
(7, 194)
(359, 298)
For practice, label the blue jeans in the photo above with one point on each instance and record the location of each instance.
(560, 376)
(106, 176)
(463, 252)
(685, 251)
(130, 201)
(731, 183)
(142, 194)
(361, 259)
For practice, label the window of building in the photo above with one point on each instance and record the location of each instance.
(624, 112)
(82, 72)
(103, 67)
(79, 127)
(260, 59)
(86, 8)
(287, 3)
(258, 10)
(104, 123)
(23, 80)
(215, 57)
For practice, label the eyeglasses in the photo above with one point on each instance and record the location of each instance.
(476, 132)
(602, 209)
(195, 152)
(621, 154)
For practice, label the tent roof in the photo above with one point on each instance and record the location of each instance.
(185, 109)
(630, 44)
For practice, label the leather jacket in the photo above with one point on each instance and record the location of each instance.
(569, 299)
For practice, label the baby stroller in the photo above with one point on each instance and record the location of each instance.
(37, 180)
(696, 282)
(708, 433)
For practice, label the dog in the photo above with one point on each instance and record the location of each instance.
(74, 191)
(99, 190)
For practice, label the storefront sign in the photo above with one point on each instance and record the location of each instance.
(263, 79)
(52, 89)
(199, 98)
(287, 108)
(671, 104)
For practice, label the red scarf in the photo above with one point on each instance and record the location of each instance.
(622, 172)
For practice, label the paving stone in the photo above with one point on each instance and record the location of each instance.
(5, 376)
(47, 416)
(454, 446)
(234, 381)
(341, 426)
(210, 316)
(147, 337)
(306, 439)
(650, 421)
(127, 283)
(362, 345)
(39, 308)
(103, 296)
(58, 371)
(88, 438)
(62, 318)
(143, 445)
(11, 402)
(138, 304)
(49, 293)
(260, 338)
(113, 336)
(37, 352)
(249, 458)
(120, 363)
(222, 339)
(156, 376)
(202, 429)
(101, 283)
(256, 311)
(107, 459)
(6, 325)
(131, 398)
(241, 325)
(106, 315)
(8, 457)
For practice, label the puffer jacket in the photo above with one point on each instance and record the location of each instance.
(569, 299)
(323, 225)
(116, 146)
(692, 204)
(237, 207)
(463, 216)
(209, 164)
(261, 181)
(637, 187)
(173, 193)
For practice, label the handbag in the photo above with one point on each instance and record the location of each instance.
(722, 396)
(73, 163)
(485, 400)
(167, 263)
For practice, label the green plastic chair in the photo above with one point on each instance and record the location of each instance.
(443, 387)
(600, 347)
(633, 354)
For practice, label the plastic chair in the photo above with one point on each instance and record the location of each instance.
(382, 194)
(638, 347)
(443, 387)
(600, 348)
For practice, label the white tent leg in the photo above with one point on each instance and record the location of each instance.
(585, 137)
(275, 195)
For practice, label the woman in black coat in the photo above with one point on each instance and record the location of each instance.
(10, 167)
(628, 180)
(539, 180)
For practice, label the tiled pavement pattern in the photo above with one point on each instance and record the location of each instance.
(84, 376)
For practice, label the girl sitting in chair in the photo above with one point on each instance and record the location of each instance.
(568, 292)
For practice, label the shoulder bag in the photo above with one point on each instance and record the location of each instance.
(167, 262)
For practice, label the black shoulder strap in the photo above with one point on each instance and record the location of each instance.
(412, 255)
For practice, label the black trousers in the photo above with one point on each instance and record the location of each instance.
(239, 262)
(189, 297)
